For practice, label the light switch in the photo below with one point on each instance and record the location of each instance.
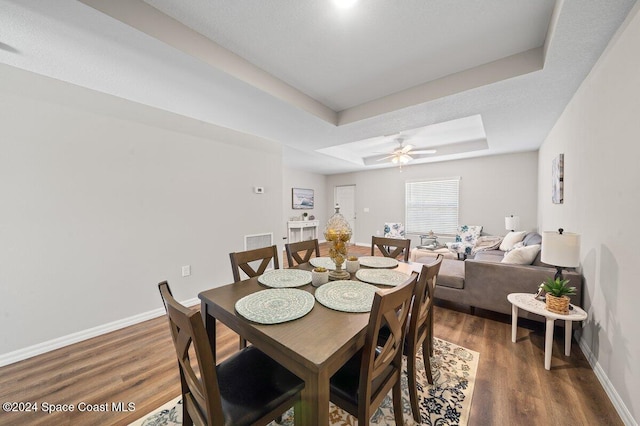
(186, 270)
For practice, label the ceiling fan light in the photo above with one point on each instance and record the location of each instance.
(395, 160)
(404, 159)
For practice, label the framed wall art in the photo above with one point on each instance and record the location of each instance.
(557, 179)
(301, 198)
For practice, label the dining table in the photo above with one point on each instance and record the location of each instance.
(313, 347)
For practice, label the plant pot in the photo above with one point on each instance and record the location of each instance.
(319, 278)
(558, 305)
(352, 266)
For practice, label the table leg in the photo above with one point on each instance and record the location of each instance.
(548, 343)
(514, 323)
(568, 329)
(315, 399)
(210, 326)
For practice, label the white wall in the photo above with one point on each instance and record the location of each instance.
(292, 178)
(490, 189)
(599, 134)
(97, 208)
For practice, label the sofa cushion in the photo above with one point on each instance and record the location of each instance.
(489, 256)
(522, 256)
(451, 274)
(510, 239)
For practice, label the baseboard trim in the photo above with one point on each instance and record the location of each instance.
(617, 402)
(60, 342)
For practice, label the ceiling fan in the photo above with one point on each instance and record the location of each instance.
(402, 154)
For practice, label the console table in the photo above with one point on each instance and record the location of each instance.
(300, 226)
(528, 302)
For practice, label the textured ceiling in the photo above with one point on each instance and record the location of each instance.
(313, 77)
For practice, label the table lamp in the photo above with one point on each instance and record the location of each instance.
(511, 223)
(560, 249)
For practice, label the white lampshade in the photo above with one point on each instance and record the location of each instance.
(512, 223)
(561, 249)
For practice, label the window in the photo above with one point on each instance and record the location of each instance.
(432, 205)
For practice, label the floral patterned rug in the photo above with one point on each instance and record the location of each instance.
(446, 402)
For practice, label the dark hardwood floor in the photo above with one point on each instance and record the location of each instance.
(138, 365)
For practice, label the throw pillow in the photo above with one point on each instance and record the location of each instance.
(522, 256)
(532, 238)
(516, 246)
(511, 238)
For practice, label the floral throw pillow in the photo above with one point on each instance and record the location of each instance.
(465, 239)
(468, 234)
(393, 230)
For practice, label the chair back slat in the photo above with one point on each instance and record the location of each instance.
(198, 377)
(241, 261)
(307, 248)
(423, 300)
(390, 308)
(391, 247)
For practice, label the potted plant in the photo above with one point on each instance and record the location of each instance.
(352, 264)
(319, 276)
(557, 295)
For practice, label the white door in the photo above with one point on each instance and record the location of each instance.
(345, 197)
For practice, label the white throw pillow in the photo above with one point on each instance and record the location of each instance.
(516, 246)
(522, 255)
(511, 238)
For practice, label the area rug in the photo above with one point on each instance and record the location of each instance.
(446, 402)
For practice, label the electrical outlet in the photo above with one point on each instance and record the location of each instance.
(186, 270)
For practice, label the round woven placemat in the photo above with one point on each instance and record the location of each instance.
(275, 305)
(285, 278)
(346, 296)
(382, 276)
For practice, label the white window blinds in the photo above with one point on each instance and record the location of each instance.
(432, 206)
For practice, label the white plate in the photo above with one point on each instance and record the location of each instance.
(275, 305)
(324, 262)
(382, 276)
(284, 278)
(378, 262)
(346, 296)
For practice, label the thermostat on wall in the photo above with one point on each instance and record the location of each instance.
(258, 189)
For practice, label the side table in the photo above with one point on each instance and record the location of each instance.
(529, 303)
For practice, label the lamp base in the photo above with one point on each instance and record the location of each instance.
(558, 273)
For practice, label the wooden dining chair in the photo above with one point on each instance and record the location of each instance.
(365, 380)
(420, 329)
(400, 246)
(301, 252)
(241, 261)
(249, 388)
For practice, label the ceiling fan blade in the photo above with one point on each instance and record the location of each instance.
(406, 148)
(388, 156)
(424, 151)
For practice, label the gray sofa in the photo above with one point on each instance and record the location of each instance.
(484, 282)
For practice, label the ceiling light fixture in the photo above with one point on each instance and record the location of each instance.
(344, 4)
